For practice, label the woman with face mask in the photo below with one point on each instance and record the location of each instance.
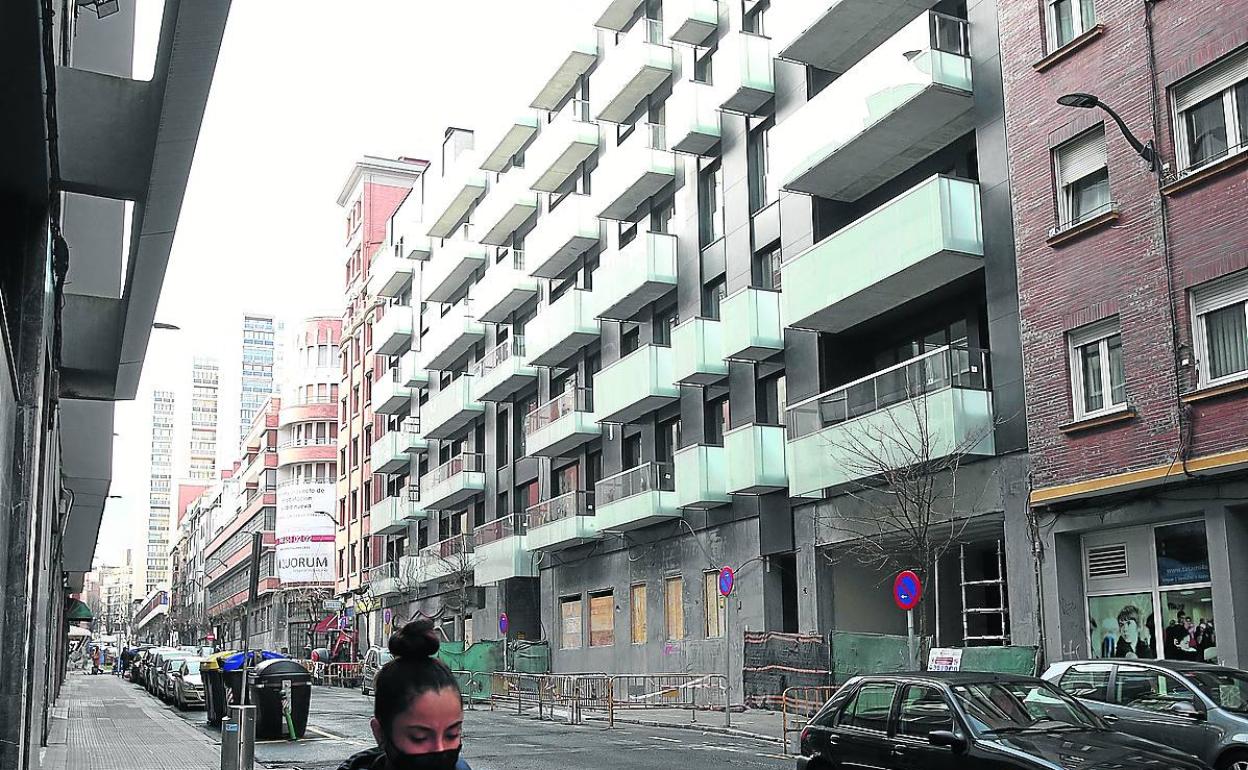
(417, 713)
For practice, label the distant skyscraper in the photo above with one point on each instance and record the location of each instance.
(157, 558)
(260, 360)
(206, 384)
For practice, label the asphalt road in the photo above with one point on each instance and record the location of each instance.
(497, 740)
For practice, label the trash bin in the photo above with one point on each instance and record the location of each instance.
(216, 699)
(278, 686)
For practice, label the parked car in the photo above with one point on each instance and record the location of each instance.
(374, 659)
(169, 662)
(968, 721)
(188, 687)
(1197, 707)
(151, 674)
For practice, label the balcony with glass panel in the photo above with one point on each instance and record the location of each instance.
(578, 61)
(633, 69)
(566, 142)
(693, 124)
(452, 557)
(905, 100)
(931, 407)
(450, 336)
(451, 409)
(452, 264)
(634, 171)
(509, 204)
(390, 274)
(392, 515)
(562, 522)
(560, 426)
(747, 80)
(755, 459)
(511, 140)
(501, 550)
(505, 288)
(635, 385)
(393, 333)
(636, 498)
(636, 275)
(561, 236)
(391, 453)
(616, 14)
(384, 579)
(701, 477)
(451, 197)
(922, 240)
(561, 328)
(454, 482)
(697, 352)
(391, 393)
(750, 328)
(691, 22)
(837, 34)
(502, 372)
(411, 373)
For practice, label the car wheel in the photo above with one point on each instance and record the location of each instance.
(1234, 760)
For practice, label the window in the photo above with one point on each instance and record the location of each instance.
(637, 611)
(1082, 178)
(765, 268)
(661, 215)
(602, 619)
(674, 607)
(712, 296)
(769, 400)
(923, 710)
(632, 451)
(1139, 688)
(703, 70)
(666, 440)
(1090, 682)
(630, 338)
(716, 421)
(501, 429)
(714, 605)
(1221, 311)
(1097, 377)
(662, 324)
(753, 21)
(1068, 19)
(711, 205)
(869, 707)
(1212, 112)
(570, 616)
(757, 160)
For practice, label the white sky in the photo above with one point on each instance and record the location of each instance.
(302, 89)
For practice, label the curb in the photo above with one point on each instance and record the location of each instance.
(702, 728)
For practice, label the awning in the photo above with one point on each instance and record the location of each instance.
(327, 624)
(78, 632)
(77, 611)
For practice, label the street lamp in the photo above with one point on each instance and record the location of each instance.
(161, 326)
(1147, 151)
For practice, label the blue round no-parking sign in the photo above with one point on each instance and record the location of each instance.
(726, 581)
(907, 590)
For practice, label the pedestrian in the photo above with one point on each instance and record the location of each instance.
(417, 713)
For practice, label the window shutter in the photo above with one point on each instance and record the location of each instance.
(1083, 155)
(1211, 80)
(1107, 561)
(1220, 293)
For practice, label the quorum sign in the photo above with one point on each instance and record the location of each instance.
(305, 533)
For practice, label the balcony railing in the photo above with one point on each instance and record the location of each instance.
(497, 356)
(651, 477)
(467, 462)
(559, 508)
(450, 548)
(298, 442)
(384, 571)
(301, 480)
(501, 528)
(567, 402)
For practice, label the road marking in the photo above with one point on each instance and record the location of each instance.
(331, 736)
(661, 738)
(774, 756)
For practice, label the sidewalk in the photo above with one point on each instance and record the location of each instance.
(756, 725)
(105, 723)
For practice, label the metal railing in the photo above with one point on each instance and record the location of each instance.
(506, 526)
(653, 30)
(798, 705)
(949, 33)
(455, 545)
(567, 402)
(384, 571)
(467, 462)
(656, 136)
(559, 508)
(498, 355)
(578, 694)
(650, 477)
(317, 441)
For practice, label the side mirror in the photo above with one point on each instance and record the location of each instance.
(947, 738)
(1189, 710)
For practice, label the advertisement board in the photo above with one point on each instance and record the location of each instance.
(305, 530)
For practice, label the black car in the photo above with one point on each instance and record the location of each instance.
(966, 721)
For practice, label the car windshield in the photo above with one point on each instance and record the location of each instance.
(1225, 687)
(192, 666)
(384, 657)
(995, 708)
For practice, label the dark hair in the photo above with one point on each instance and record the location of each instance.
(411, 673)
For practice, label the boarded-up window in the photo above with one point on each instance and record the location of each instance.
(570, 615)
(713, 605)
(602, 619)
(637, 605)
(674, 606)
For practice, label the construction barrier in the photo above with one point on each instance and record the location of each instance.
(341, 675)
(696, 692)
(798, 705)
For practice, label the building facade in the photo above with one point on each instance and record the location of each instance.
(1133, 283)
(156, 571)
(259, 363)
(205, 398)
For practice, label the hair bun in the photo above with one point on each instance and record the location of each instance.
(415, 640)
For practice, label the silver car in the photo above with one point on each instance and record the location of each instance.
(1195, 707)
(374, 659)
(188, 687)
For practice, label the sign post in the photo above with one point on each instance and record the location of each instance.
(907, 590)
(727, 581)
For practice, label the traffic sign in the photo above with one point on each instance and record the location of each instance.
(503, 623)
(907, 590)
(727, 579)
(331, 605)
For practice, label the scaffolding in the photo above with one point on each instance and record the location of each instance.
(985, 610)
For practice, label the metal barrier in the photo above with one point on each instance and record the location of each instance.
(696, 692)
(342, 675)
(474, 687)
(798, 705)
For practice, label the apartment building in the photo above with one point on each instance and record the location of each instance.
(155, 572)
(197, 523)
(733, 266)
(205, 399)
(1127, 127)
(259, 363)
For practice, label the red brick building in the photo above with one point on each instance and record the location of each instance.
(1132, 290)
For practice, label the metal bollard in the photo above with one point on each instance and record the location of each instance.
(238, 738)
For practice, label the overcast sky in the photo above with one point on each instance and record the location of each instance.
(301, 91)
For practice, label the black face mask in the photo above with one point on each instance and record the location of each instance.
(438, 760)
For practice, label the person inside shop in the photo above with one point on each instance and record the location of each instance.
(418, 716)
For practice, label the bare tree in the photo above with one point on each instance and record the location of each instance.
(306, 597)
(451, 564)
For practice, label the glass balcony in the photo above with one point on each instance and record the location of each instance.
(393, 333)
(509, 204)
(693, 118)
(562, 522)
(697, 353)
(920, 411)
(750, 327)
(561, 328)
(392, 515)
(566, 142)
(755, 459)
(925, 238)
(451, 197)
(501, 550)
(748, 81)
(836, 34)
(701, 477)
(905, 100)
(514, 136)
(452, 557)
(633, 70)
(451, 409)
(636, 498)
(450, 337)
(635, 276)
(565, 77)
(391, 273)
(452, 264)
(635, 385)
(502, 372)
(505, 288)
(561, 236)
(561, 425)
(633, 172)
(384, 579)
(691, 21)
(393, 451)
(616, 14)
(454, 482)
(391, 393)
(411, 373)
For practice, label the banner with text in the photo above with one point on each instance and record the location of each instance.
(305, 533)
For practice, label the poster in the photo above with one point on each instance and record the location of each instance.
(944, 659)
(305, 532)
(1122, 626)
(1189, 631)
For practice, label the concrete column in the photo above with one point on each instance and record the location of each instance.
(814, 592)
(1020, 563)
(1227, 533)
(1065, 606)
